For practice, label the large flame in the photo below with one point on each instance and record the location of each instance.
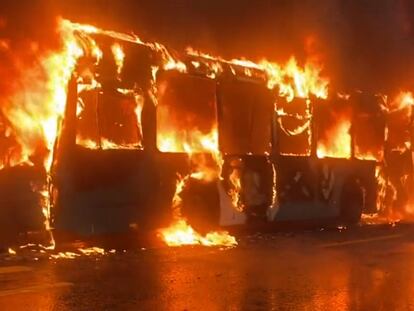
(294, 81)
(291, 79)
(338, 143)
(195, 141)
(34, 111)
(36, 107)
(181, 233)
(38, 103)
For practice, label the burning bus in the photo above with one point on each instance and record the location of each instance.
(147, 138)
(221, 140)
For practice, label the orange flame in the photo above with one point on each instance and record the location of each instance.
(180, 233)
(235, 191)
(338, 144)
(403, 100)
(294, 81)
(119, 56)
(195, 141)
(291, 79)
(35, 109)
(35, 112)
(398, 134)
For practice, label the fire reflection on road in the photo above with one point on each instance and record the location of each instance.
(264, 272)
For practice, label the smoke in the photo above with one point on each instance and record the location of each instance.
(369, 44)
(27, 31)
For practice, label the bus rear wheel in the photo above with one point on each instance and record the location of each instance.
(352, 202)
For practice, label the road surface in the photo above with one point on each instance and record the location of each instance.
(369, 268)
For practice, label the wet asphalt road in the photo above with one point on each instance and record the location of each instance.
(370, 268)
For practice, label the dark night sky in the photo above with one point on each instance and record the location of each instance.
(366, 44)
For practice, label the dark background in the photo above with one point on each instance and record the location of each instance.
(363, 44)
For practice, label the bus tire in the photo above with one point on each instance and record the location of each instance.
(352, 202)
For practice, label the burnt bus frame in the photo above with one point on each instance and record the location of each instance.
(350, 171)
(67, 146)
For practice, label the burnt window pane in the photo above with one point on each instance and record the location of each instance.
(87, 132)
(186, 113)
(368, 126)
(246, 111)
(294, 127)
(333, 120)
(398, 124)
(369, 137)
(120, 120)
(109, 120)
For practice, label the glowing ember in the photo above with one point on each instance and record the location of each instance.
(64, 255)
(92, 251)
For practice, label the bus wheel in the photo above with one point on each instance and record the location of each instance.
(352, 202)
(201, 205)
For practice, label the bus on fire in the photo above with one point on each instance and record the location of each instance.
(150, 138)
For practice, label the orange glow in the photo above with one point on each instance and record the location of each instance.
(235, 191)
(105, 144)
(292, 80)
(35, 110)
(119, 57)
(369, 156)
(91, 251)
(398, 135)
(338, 144)
(194, 142)
(403, 100)
(87, 143)
(180, 233)
(196, 146)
